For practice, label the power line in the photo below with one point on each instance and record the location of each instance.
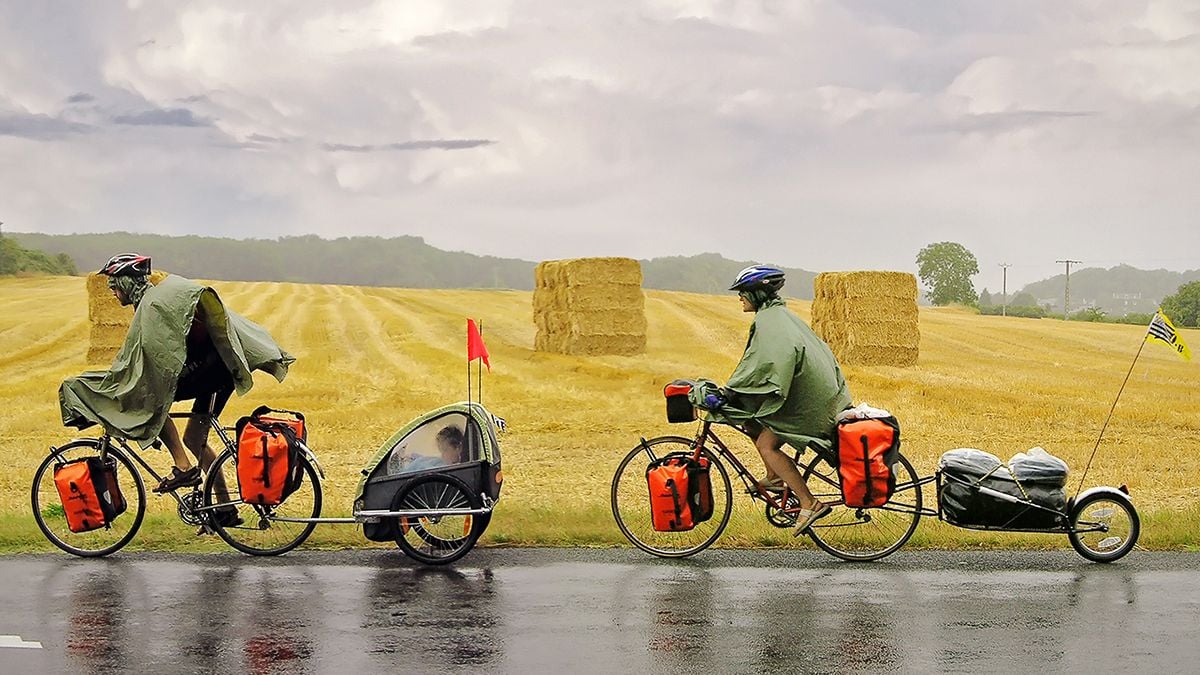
(1067, 299)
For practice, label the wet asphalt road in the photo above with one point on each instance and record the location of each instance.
(553, 610)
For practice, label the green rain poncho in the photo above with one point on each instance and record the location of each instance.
(787, 381)
(133, 398)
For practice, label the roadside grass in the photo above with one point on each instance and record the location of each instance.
(371, 359)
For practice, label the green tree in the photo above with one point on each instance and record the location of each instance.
(985, 298)
(1023, 299)
(946, 268)
(1093, 314)
(1183, 308)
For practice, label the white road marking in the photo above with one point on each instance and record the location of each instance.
(15, 642)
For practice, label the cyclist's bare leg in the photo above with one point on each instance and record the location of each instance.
(195, 437)
(170, 438)
(768, 445)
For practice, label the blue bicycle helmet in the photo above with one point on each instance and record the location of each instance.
(758, 277)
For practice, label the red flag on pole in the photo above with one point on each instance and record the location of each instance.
(475, 347)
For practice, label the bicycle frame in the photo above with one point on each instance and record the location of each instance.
(706, 435)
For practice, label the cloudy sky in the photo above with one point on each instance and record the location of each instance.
(817, 134)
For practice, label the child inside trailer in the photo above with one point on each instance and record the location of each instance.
(449, 445)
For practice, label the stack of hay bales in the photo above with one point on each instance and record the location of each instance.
(109, 320)
(589, 306)
(868, 318)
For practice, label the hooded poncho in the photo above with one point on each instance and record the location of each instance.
(133, 398)
(787, 381)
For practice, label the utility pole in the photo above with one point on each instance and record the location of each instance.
(1067, 299)
(1004, 286)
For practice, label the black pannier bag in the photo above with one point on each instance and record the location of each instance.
(966, 472)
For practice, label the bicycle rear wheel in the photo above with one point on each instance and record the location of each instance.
(255, 529)
(631, 501)
(862, 534)
(52, 519)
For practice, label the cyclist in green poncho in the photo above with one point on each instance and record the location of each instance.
(787, 388)
(183, 344)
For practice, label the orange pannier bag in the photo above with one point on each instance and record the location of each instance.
(89, 492)
(866, 450)
(680, 492)
(268, 455)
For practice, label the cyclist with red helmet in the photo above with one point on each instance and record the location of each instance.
(787, 388)
(183, 344)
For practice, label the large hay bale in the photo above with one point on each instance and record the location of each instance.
(109, 319)
(868, 318)
(589, 306)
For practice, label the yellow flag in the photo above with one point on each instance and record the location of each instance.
(1163, 330)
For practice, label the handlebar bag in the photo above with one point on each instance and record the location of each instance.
(268, 456)
(679, 409)
(90, 495)
(866, 449)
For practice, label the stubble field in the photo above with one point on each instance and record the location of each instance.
(370, 359)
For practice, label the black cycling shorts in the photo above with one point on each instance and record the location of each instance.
(202, 381)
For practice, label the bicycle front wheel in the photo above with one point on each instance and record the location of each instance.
(631, 501)
(255, 529)
(862, 534)
(52, 518)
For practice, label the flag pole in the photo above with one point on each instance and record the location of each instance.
(479, 371)
(468, 364)
(1110, 414)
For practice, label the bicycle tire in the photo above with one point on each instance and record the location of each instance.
(433, 540)
(864, 534)
(261, 532)
(51, 519)
(1119, 519)
(630, 500)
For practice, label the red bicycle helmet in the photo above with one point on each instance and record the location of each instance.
(127, 265)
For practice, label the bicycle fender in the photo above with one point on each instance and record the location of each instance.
(1105, 490)
(312, 458)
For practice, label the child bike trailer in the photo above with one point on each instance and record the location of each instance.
(432, 485)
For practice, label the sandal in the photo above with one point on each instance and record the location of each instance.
(178, 479)
(806, 517)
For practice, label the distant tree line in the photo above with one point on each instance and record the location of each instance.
(16, 259)
(403, 262)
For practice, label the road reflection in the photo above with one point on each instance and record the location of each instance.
(96, 624)
(437, 616)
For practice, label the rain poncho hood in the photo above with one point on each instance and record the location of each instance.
(132, 399)
(134, 288)
(787, 381)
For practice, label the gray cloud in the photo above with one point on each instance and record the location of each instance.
(81, 97)
(1002, 122)
(170, 117)
(455, 144)
(39, 127)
